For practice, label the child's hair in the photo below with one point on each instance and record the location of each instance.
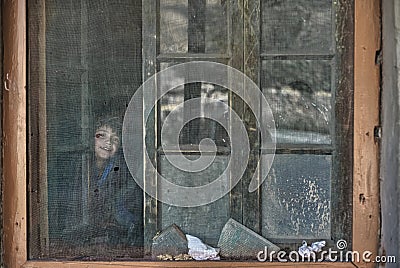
(113, 122)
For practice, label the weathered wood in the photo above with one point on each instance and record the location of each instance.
(182, 264)
(343, 136)
(366, 118)
(251, 51)
(14, 135)
(173, 57)
(236, 37)
(143, 264)
(150, 23)
(297, 56)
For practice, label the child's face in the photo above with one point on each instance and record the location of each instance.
(106, 143)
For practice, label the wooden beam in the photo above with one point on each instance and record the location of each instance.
(183, 264)
(14, 135)
(366, 118)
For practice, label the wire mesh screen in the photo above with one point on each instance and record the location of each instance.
(88, 58)
(91, 56)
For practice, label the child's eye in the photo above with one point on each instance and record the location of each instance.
(115, 140)
(100, 136)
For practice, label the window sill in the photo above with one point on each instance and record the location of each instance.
(43, 264)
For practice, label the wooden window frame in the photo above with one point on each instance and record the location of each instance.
(365, 221)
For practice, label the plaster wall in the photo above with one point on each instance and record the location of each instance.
(390, 180)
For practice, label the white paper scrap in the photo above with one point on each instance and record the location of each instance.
(200, 251)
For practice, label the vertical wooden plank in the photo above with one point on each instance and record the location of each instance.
(14, 135)
(150, 17)
(251, 51)
(236, 36)
(366, 118)
(342, 171)
(245, 19)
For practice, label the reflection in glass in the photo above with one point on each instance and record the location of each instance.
(196, 130)
(174, 26)
(193, 26)
(296, 28)
(299, 94)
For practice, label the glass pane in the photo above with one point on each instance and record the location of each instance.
(173, 26)
(204, 222)
(189, 26)
(296, 198)
(216, 26)
(299, 94)
(296, 28)
(93, 66)
(175, 105)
